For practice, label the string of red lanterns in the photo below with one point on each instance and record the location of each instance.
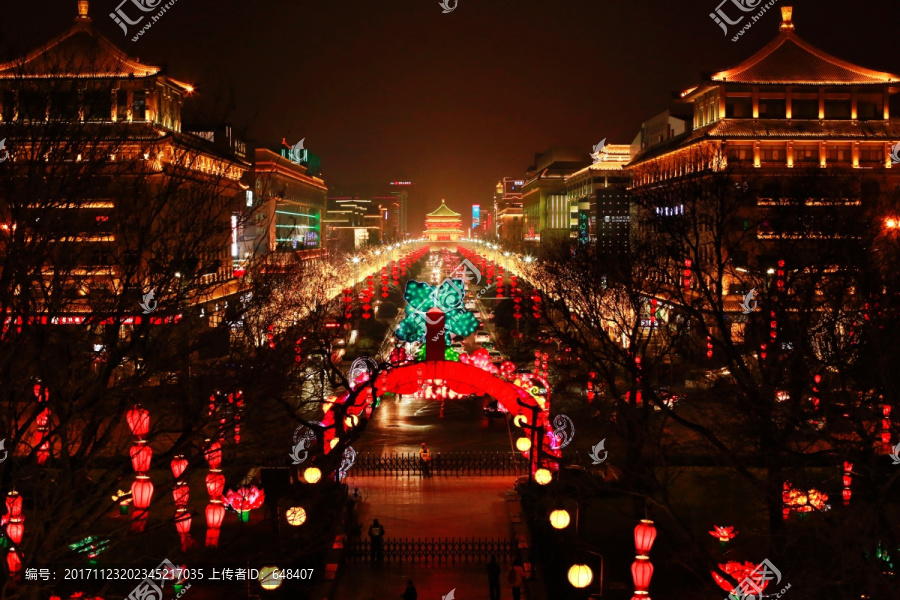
(642, 568)
(41, 439)
(138, 420)
(215, 486)
(15, 529)
(181, 494)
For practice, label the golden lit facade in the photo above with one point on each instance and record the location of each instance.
(443, 225)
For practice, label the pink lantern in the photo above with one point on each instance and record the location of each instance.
(141, 455)
(244, 500)
(138, 421)
(179, 464)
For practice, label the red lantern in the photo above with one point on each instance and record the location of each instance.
(14, 562)
(847, 493)
(43, 418)
(138, 421)
(141, 491)
(215, 514)
(179, 464)
(181, 494)
(215, 484)
(141, 455)
(15, 529)
(213, 455)
(641, 572)
(644, 536)
(183, 522)
(13, 504)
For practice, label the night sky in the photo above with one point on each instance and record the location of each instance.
(453, 102)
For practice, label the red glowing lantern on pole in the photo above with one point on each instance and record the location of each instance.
(138, 421)
(641, 573)
(644, 536)
(215, 484)
(213, 455)
(13, 504)
(181, 494)
(179, 464)
(15, 529)
(142, 492)
(141, 456)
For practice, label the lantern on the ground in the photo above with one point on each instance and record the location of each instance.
(580, 576)
(312, 475)
(559, 518)
(542, 476)
(296, 516)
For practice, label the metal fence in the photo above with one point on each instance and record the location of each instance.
(442, 463)
(441, 550)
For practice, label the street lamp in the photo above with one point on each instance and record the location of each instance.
(559, 518)
(580, 576)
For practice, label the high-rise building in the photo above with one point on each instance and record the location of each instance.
(598, 200)
(399, 209)
(508, 210)
(545, 205)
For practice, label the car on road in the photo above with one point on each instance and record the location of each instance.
(495, 356)
(494, 409)
(482, 337)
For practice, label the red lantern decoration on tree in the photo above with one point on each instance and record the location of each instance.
(15, 529)
(141, 456)
(13, 504)
(14, 562)
(686, 274)
(642, 573)
(215, 484)
(179, 464)
(183, 526)
(215, 514)
(138, 421)
(142, 492)
(644, 536)
(181, 494)
(213, 455)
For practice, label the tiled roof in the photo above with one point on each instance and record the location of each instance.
(443, 211)
(82, 52)
(789, 59)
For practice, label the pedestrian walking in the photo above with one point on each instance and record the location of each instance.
(516, 579)
(376, 538)
(410, 592)
(425, 460)
(493, 571)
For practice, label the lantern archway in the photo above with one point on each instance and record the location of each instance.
(460, 377)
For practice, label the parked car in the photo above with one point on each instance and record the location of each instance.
(482, 337)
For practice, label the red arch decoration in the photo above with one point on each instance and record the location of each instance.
(465, 378)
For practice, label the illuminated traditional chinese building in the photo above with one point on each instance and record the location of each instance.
(443, 225)
(790, 111)
(86, 122)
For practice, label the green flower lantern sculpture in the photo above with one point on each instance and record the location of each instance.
(449, 297)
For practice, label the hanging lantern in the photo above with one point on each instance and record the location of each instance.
(312, 475)
(179, 464)
(580, 576)
(14, 562)
(559, 519)
(43, 418)
(213, 455)
(296, 516)
(215, 484)
(644, 536)
(142, 491)
(141, 456)
(15, 529)
(541, 476)
(183, 521)
(523, 444)
(215, 514)
(138, 421)
(642, 573)
(181, 494)
(13, 504)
